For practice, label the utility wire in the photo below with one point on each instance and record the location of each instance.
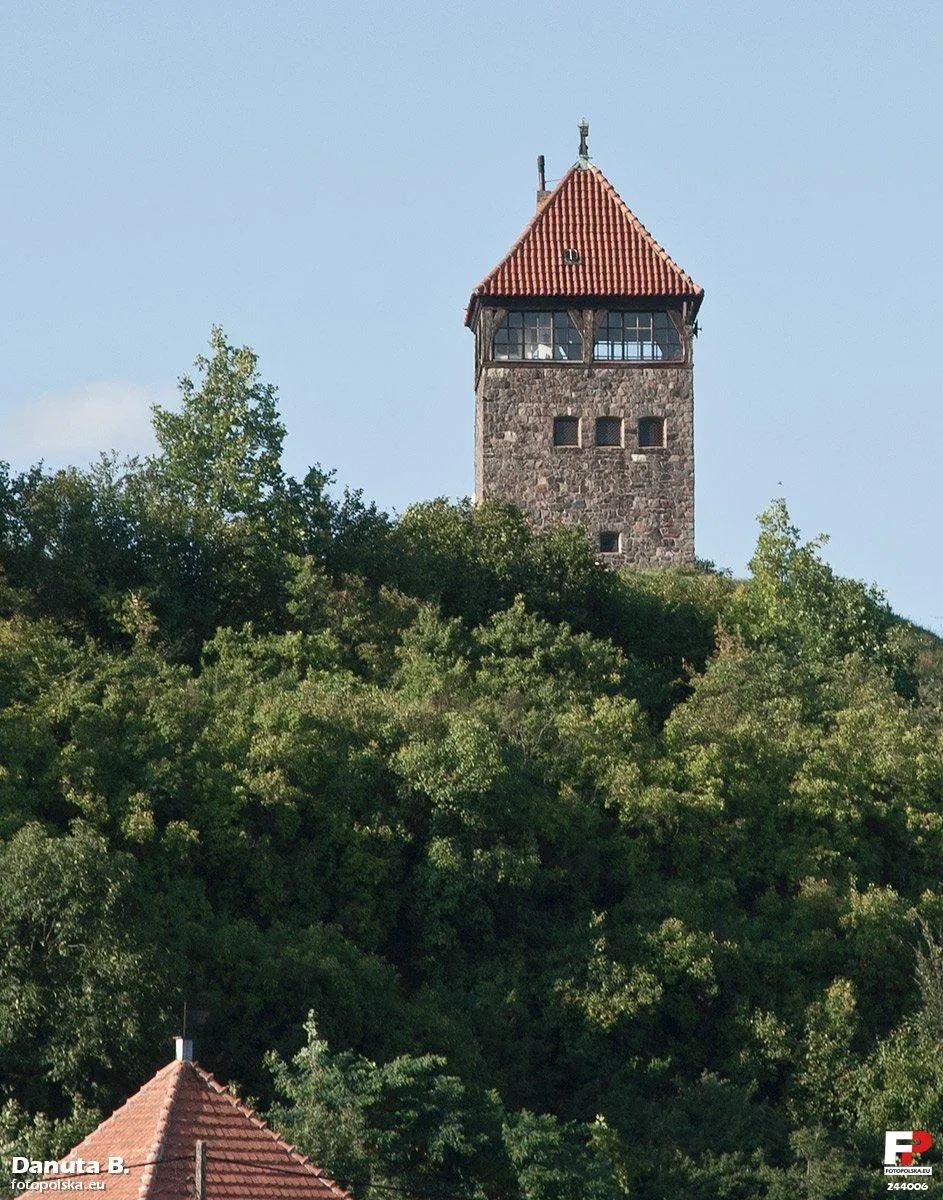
(299, 1172)
(270, 1170)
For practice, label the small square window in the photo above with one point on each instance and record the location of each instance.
(566, 431)
(608, 542)
(608, 431)
(651, 432)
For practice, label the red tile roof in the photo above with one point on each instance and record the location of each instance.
(617, 254)
(156, 1132)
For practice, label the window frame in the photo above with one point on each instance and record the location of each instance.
(664, 432)
(568, 418)
(570, 336)
(633, 320)
(617, 445)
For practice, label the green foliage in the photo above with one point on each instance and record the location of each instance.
(410, 1128)
(606, 883)
(67, 943)
(39, 1137)
(203, 534)
(795, 602)
(69, 545)
(221, 453)
(474, 562)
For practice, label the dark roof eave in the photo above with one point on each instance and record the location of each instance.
(493, 300)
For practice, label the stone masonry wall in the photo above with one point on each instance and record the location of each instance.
(644, 494)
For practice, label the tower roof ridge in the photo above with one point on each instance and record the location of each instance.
(609, 251)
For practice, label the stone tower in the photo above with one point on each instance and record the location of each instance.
(584, 375)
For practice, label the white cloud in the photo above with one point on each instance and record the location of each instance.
(74, 425)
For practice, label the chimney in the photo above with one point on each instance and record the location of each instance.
(542, 193)
(183, 1049)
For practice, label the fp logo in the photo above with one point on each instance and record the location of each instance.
(904, 1144)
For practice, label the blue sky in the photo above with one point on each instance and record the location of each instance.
(329, 181)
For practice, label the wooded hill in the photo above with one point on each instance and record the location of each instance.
(494, 873)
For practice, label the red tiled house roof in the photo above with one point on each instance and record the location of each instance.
(156, 1132)
(617, 254)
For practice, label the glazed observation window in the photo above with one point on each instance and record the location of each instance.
(536, 336)
(637, 337)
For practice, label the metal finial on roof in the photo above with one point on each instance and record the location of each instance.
(584, 149)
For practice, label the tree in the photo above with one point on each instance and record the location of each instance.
(221, 453)
(412, 1129)
(795, 602)
(77, 983)
(406, 1127)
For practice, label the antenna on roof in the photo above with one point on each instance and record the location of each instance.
(584, 148)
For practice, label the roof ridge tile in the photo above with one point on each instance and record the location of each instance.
(292, 1150)
(160, 1134)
